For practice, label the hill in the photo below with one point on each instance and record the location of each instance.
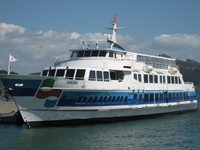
(190, 70)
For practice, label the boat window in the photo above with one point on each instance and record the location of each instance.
(80, 54)
(87, 54)
(168, 80)
(52, 72)
(84, 99)
(121, 99)
(135, 96)
(126, 99)
(60, 72)
(80, 73)
(106, 76)
(170, 96)
(74, 54)
(179, 79)
(140, 97)
(185, 96)
(176, 80)
(173, 96)
(155, 79)
(113, 99)
(110, 98)
(70, 73)
(95, 99)
(94, 53)
(100, 99)
(112, 75)
(164, 79)
(146, 98)
(172, 79)
(160, 79)
(110, 53)
(116, 75)
(44, 72)
(118, 99)
(156, 97)
(99, 76)
(79, 99)
(146, 78)
(104, 99)
(151, 78)
(92, 75)
(161, 97)
(139, 78)
(102, 53)
(90, 99)
(151, 97)
(177, 96)
(181, 96)
(135, 76)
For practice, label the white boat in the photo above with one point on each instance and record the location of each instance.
(101, 84)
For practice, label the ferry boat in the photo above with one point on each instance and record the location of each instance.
(101, 84)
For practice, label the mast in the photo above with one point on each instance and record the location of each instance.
(114, 30)
(112, 39)
(9, 67)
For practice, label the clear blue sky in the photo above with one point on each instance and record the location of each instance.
(143, 18)
(36, 31)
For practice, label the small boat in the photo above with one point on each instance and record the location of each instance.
(101, 85)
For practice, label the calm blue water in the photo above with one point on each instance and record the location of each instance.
(171, 132)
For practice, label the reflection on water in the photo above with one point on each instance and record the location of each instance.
(167, 132)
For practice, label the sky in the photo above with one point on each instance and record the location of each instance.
(37, 31)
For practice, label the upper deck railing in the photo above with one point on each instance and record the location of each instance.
(156, 61)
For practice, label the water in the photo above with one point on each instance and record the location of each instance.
(170, 132)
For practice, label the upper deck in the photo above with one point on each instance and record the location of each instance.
(118, 55)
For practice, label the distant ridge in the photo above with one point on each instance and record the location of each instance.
(164, 55)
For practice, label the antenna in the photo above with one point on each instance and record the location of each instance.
(97, 42)
(83, 44)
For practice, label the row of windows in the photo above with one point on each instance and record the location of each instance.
(69, 74)
(99, 75)
(155, 60)
(138, 98)
(78, 74)
(102, 99)
(95, 75)
(95, 53)
(151, 97)
(89, 53)
(157, 78)
(161, 63)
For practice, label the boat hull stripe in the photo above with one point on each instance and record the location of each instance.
(20, 87)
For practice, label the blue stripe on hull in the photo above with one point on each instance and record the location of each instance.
(122, 98)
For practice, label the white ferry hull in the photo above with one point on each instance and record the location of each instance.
(66, 116)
